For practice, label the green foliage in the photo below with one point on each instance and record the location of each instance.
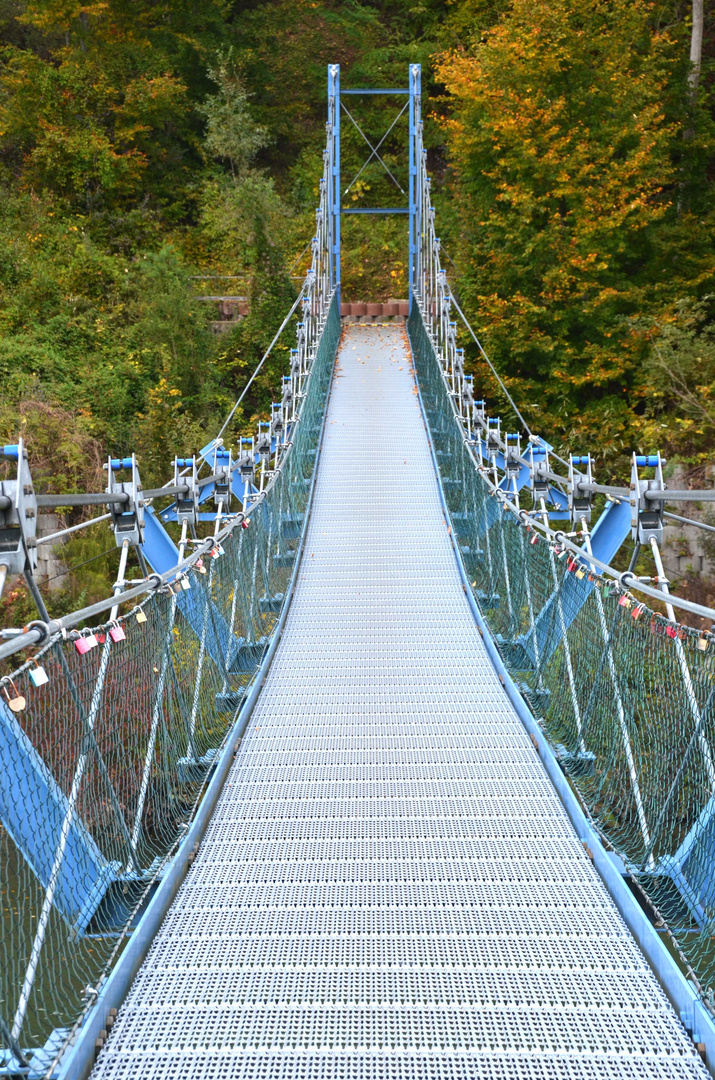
(144, 142)
(683, 366)
(231, 134)
(565, 126)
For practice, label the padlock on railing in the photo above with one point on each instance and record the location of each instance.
(38, 675)
(15, 700)
(84, 643)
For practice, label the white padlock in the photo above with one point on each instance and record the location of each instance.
(38, 675)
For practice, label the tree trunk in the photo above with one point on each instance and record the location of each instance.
(696, 49)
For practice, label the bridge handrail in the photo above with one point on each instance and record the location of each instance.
(625, 702)
(624, 695)
(434, 296)
(109, 734)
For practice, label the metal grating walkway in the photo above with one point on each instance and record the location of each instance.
(389, 888)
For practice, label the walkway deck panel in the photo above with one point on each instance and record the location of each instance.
(390, 887)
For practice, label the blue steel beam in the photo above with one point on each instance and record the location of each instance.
(161, 553)
(405, 91)
(691, 868)
(377, 210)
(610, 531)
(33, 808)
(412, 185)
(334, 93)
(158, 548)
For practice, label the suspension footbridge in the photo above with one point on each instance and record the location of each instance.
(390, 773)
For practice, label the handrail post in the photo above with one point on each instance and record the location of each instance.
(625, 735)
(334, 178)
(414, 108)
(564, 638)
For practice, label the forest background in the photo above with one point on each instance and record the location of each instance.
(144, 143)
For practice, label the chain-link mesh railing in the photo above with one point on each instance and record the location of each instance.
(104, 763)
(624, 695)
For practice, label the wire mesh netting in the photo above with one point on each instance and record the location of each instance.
(106, 758)
(624, 695)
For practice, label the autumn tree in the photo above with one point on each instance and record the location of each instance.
(98, 110)
(561, 129)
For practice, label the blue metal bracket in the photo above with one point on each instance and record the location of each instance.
(158, 548)
(646, 517)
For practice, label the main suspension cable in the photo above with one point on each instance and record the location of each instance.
(265, 356)
(491, 365)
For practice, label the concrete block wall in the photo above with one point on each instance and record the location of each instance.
(387, 311)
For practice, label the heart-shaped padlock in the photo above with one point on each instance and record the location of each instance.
(16, 702)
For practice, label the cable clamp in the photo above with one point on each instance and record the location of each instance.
(43, 627)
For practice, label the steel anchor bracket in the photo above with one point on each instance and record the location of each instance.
(18, 515)
(127, 517)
